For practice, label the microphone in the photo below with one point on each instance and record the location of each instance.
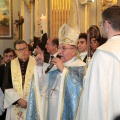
(51, 65)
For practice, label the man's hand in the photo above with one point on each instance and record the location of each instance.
(39, 59)
(22, 103)
(58, 62)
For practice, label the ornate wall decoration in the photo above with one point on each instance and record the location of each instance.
(108, 3)
(28, 3)
(60, 10)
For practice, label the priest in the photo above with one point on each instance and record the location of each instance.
(54, 95)
(100, 99)
(17, 81)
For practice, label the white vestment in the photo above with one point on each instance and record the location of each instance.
(49, 100)
(15, 112)
(100, 99)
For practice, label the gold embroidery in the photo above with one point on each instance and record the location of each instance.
(20, 113)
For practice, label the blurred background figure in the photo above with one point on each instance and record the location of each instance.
(95, 38)
(8, 55)
(39, 48)
(52, 48)
(82, 46)
(43, 39)
(31, 49)
(31, 43)
(94, 44)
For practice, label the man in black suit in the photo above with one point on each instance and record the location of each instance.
(8, 55)
(52, 49)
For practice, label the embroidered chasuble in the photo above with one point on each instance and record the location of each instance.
(21, 85)
(58, 99)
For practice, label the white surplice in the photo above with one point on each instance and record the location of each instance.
(100, 99)
(15, 112)
(50, 109)
(56, 98)
(1, 102)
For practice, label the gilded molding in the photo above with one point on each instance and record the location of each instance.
(108, 3)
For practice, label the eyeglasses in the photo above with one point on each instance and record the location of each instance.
(22, 49)
(63, 49)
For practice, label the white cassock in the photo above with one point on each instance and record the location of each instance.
(100, 99)
(1, 102)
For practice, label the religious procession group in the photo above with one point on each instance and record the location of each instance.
(62, 85)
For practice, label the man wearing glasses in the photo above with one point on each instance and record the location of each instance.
(17, 80)
(59, 96)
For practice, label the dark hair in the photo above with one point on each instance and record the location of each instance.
(94, 32)
(30, 48)
(19, 42)
(40, 45)
(112, 15)
(7, 50)
(117, 118)
(55, 41)
(83, 35)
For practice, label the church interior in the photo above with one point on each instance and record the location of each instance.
(31, 18)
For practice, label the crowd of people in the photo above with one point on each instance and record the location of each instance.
(48, 79)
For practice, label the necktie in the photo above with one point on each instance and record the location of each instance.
(51, 57)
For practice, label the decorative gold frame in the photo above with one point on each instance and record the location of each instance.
(6, 19)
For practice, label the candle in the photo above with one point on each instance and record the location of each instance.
(43, 23)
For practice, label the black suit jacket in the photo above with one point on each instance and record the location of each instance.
(85, 59)
(7, 81)
(2, 70)
(2, 73)
(46, 58)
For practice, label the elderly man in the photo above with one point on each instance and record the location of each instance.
(59, 96)
(17, 81)
(100, 99)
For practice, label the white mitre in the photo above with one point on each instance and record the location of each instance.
(68, 35)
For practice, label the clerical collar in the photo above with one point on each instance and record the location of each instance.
(70, 61)
(23, 60)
